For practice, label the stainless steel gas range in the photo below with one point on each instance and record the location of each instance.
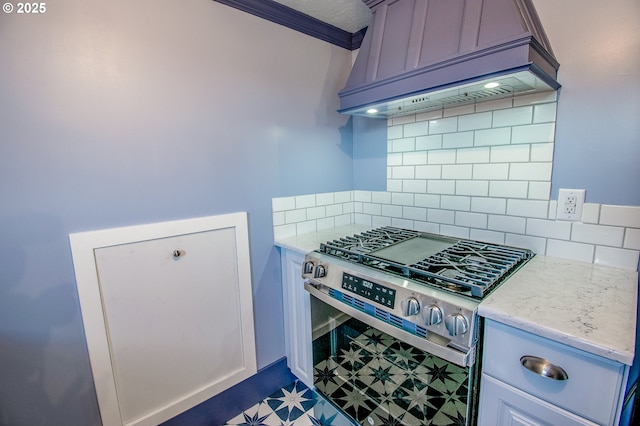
(395, 324)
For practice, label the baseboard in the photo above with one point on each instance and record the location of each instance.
(231, 402)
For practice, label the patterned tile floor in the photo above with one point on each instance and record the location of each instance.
(293, 405)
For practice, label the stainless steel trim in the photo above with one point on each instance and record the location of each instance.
(544, 368)
(462, 359)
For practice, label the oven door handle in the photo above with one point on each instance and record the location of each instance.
(462, 359)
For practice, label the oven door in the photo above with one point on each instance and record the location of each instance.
(378, 379)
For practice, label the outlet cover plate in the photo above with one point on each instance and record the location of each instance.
(570, 204)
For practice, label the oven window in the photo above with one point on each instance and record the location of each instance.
(378, 380)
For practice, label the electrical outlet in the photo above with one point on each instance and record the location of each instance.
(570, 203)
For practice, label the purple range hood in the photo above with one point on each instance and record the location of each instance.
(421, 55)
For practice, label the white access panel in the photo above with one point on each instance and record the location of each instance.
(168, 314)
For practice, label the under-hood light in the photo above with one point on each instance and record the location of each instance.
(491, 85)
(372, 111)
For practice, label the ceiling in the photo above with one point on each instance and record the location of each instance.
(348, 15)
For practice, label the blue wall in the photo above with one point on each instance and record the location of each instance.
(121, 113)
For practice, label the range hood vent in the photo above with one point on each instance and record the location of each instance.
(422, 55)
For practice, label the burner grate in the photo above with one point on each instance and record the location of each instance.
(466, 267)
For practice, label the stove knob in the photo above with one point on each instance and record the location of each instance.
(319, 272)
(432, 315)
(456, 324)
(307, 268)
(410, 306)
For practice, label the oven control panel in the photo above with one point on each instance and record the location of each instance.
(370, 290)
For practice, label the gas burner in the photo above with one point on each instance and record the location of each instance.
(464, 267)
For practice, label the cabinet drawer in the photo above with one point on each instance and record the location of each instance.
(592, 389)
(501, 404)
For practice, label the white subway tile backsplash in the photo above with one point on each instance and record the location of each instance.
(460, 110)
(487, 236)
(402, 199)
(632, 239)
(394, 185)
(316, 212)
(403, 145)
(528, 208)
(441, 187)
(397, 121)
(278, 218)
(426, 143)
(295, 216)
(378, 221)
(484, 175)
(334, 209)
(620, 215)
(494, 105)
(445, 156)
(372, 208)
(473, 155)
(535, 244)
(515, 225)
(381, 197)
(536, 98)
(414, 185)
(457, 140)
(474, 121)
(457, 171)
(390, 210)
(542, 152)
(597, 234)
(534, 133)
(508, 189)
(414, 213)
(543, 113)
(394, 132)
(414, 158)
(403, 172)
(416, 129)
(491, 171)
(428, 200)
(549, 228)
(454, 231)
(343, 196)
(345, 219)
(455, 202)
(471, 220)
(283, 203)
(510, 153)
(590, 213)
(429, 115)
(429, 172)
(303, 201)
(363, 196)
(616, 257)
(489, 205)
(570, 250)
(539, 191)
(491, 137)
(441, 216)
(530, 171)
(443, 125)
(513, 116)
(472, 187)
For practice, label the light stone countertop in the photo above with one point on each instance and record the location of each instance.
(582, 305)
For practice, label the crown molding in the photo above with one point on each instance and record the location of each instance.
(290, 18)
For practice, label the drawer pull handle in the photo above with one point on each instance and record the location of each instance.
(543, 367)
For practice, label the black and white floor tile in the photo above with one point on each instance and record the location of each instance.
(293, 405)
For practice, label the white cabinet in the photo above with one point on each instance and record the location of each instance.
(297, 317)
(511, 394)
